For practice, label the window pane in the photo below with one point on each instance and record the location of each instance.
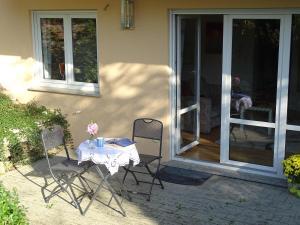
(251, 144)
(255, 48)
(52, 31)
(84, 50)
(293, 115)
(188, 128)
(188, 62)
(292, 146)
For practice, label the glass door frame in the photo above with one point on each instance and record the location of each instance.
(281, 96)
(180, 111)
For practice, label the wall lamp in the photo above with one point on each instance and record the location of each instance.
(127, 14)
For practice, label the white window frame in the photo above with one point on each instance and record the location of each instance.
(69, 85)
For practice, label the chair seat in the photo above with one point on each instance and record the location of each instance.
(86, 164)
(69, 166)
(146, 159)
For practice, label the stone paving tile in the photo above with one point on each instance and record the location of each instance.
(219, 201)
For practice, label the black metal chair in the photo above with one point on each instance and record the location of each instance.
(151, 129)
(64, 173)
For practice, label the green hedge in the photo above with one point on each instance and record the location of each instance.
(20, 128)
(11, 212)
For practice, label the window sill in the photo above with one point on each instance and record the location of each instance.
(92, 91)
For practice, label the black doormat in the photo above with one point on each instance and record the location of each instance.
(183, 176)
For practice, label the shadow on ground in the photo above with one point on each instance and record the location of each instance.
(219, 200)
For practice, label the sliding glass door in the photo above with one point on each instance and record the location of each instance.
(188, 109)
(253, 88)
(260, 80)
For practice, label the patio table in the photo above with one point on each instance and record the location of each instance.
(113, 157)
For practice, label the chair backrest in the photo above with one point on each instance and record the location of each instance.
(149, 129)
(53, 138)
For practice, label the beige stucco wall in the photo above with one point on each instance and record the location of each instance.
(134, 72)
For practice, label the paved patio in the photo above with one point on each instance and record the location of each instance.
(220, 200)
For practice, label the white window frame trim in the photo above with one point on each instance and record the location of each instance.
(68, 86)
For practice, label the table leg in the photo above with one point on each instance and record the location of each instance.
(113, 192)
(94, 196)
(100, 185)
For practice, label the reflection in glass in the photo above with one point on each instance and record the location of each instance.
(255, 45)
(292, 145)
(188, 128)
(52, 34)
(188, 62)
(251, 144)
(293, 114)
(84, 50)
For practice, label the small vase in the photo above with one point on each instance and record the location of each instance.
(91, 143)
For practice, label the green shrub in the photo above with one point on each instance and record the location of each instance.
(20, 128)
(291, 169)
(11, 212)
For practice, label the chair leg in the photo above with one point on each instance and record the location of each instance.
(134, 176)
(73, 196)
(157, 175)
(126, 173)
(154, 176)
(81, 179)
(121, 189)
(62, 185)
(84, 179)
(68, 182)
(151, 187)
(56, 190)
(160, 182)
(43, 190)
(162, 186)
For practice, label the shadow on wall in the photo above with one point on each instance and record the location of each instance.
(15, 73)
(128, 91)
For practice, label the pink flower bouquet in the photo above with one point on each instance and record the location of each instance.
(92, 129)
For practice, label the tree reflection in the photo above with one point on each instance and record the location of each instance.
(84, 49)
(52, 47)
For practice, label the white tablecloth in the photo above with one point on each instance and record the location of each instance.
(112, 156)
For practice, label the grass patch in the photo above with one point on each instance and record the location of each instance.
(11, 212)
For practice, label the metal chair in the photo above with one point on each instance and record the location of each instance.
(151, 129)
(65, 172)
